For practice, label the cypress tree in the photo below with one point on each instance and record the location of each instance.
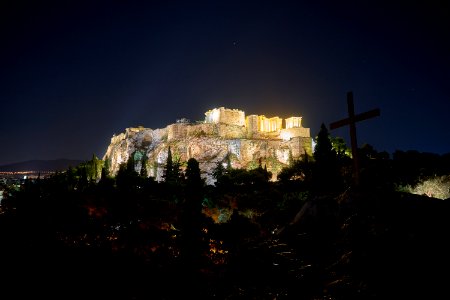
(323, 151)
(106, 167)
(326, 171)
(192, 244)
(144, 162)
(131, 162)
(168, 169)
(193, 177)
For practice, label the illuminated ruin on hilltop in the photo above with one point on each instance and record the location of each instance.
(258, 125)
(248, 140)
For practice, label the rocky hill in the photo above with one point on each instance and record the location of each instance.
(210, 143)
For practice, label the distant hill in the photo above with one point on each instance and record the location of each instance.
(41, 165)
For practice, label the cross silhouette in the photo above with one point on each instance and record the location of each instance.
(351, 121)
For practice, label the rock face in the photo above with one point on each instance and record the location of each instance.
(248, 140)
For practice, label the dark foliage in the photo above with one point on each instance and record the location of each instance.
(125, 237)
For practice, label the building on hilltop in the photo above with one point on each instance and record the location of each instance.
(250, 140)
(258, 126)
(225, 116)
(293, 122)
(261, 123)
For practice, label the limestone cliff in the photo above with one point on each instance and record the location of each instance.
(209, 143)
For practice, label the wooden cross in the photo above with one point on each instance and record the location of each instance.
(351, 121)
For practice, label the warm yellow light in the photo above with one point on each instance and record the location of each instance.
(286, 136)
(215, 115)
(293, 122)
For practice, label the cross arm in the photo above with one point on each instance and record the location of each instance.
(360, 117)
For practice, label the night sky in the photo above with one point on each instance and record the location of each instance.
(73, 73)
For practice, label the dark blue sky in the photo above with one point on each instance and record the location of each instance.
(73, 73)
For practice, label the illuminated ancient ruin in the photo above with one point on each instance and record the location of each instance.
(250, 140)
(258, 126)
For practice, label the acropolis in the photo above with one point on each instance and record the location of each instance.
(248, 139)
(257, 126)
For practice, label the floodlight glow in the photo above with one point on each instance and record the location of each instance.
(286, 136)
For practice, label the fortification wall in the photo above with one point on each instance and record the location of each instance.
(225, 116)
(231, 131)
(275, 135)
(232, 117)
(176, 131)
(250, 140)
(202, 129)
(289, 133)
(251, 123)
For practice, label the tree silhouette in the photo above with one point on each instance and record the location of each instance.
(299, 170)
(176, 170)
(103, 175)
(192, 243)
(82, 174)
(168, 168)
(218, 171)
(192, 173)
(131, 163)
(127, 179)
(326, 172)
(323, 152)
(106, 167)
(144, 162)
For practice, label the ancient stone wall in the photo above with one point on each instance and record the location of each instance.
(202, 129)
(231, 132)
(225, 116)
(249, 140)
(275, 135)
(251, 123)
(232, 117)
(287, 134)
(176, 131)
